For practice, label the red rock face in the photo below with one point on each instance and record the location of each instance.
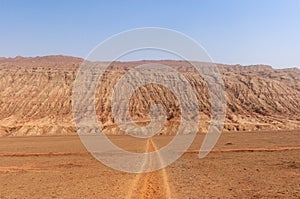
(36, 96)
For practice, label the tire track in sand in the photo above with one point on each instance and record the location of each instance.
(153, 184)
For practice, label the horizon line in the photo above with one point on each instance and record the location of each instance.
(137, 60)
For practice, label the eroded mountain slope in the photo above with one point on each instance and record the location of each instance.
(35, 96)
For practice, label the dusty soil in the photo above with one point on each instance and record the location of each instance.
(242, 165)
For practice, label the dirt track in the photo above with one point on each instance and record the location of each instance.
(152, 184)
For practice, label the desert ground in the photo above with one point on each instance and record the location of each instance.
(262, 164)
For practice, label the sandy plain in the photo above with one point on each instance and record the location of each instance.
(242, 165)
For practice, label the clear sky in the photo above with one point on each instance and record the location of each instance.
(232, 31)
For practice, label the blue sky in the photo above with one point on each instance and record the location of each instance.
(244, 32)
